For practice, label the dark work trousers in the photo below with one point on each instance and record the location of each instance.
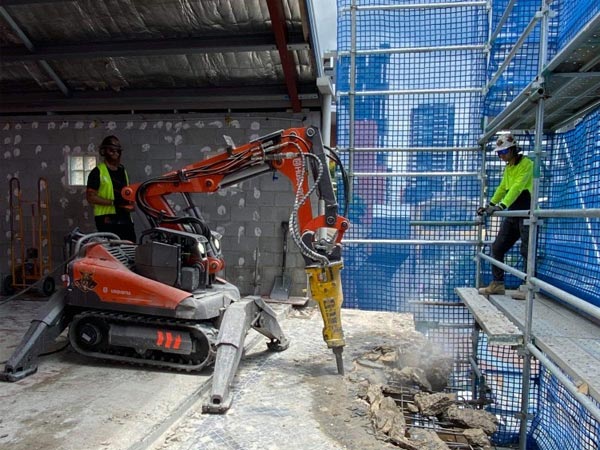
(122, 228)
(511, 229)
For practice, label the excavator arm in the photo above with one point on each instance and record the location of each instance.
(315, 225)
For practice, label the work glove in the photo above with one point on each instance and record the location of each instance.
(481, 211)
(491, 209)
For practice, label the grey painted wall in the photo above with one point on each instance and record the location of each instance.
(249, 216)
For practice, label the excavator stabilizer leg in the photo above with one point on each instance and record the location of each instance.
(239, 317)
(43, 331)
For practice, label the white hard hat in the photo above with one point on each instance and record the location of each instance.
(505, 140)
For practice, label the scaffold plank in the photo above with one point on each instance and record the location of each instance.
(495, 324)
(570, 340)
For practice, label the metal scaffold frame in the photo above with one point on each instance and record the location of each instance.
(526, 100)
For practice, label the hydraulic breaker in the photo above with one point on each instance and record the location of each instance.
(326, 290)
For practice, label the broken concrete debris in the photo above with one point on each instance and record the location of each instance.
(406, 404)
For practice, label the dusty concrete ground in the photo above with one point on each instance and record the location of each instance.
(293, 399)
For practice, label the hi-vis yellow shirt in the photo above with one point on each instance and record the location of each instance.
(516, 179)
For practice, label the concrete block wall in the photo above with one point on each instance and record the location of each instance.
(248, 215)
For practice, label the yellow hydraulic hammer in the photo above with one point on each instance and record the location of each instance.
(326, 290)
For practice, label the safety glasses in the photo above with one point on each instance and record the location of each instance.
(113, 149)
(502, 152)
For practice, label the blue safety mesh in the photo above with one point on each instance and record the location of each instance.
(561, 422)
(523, 66)
(415, 108)
(502, 368)
(569, 248)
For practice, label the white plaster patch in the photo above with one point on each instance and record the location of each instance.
(168, 126)
(216, 124)
(234, 124)
(63, 202)
(7, 155)
(177, 208)
(66, 150)
(64, 124)
(158, 124)
(257, 231)
(38, 149)
(256, 193)
(17, 139)
(168, 167)
(18, 126)
(129, 125)
(242, 202)
(51, 125)
(205, 149)
(177, 127)
(70, 222)
(63, 180)
(256, 216)
(77, 149)
(93, 124)
(44, 165)
(143, 125)
(178, 139)
(86, 215)
(222, 193)
(148, 170)
(16, 152)
(35, 125)
(63, 167)
(221, 210)
(199, 124)
(78, 125)
(253, 137)
(186, 126)
(7, 140)
(255, 126)
(177, 156)
(240, 233)
(145, 148)
(169, 139)
(221, 230)
(6, 127)
(241, 261)
(111, 125)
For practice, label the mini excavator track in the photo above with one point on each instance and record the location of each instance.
(144, 340)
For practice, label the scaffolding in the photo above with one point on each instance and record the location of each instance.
(412, 98)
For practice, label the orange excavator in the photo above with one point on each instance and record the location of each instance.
(160, 302)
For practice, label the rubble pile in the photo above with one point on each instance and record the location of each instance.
(404, 390)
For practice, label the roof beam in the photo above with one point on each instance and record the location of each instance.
(285, 55)
(158, 47)
(25, 39)
(248, 97)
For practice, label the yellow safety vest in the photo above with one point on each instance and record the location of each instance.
(106, 191)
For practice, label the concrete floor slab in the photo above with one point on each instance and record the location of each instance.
(292, 399)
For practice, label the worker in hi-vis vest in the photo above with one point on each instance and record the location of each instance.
(513, 193)
(112, 212)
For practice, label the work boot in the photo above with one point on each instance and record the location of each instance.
(495, 288)
(520, 293)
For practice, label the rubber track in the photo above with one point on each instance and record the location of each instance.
(171, 361)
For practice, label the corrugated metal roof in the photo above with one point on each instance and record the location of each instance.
(101, 55)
